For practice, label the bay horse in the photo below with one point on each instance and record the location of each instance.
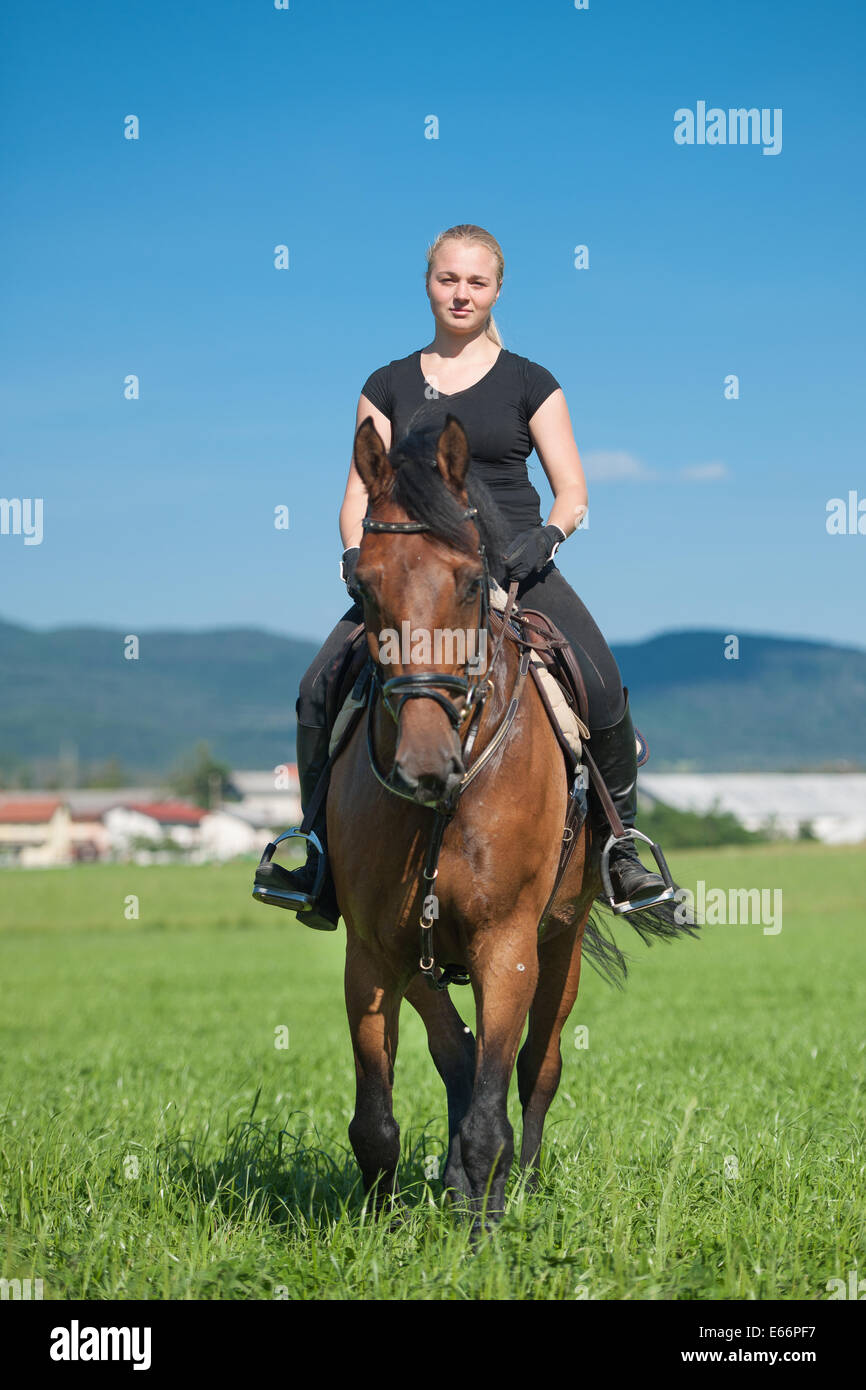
(422, 561)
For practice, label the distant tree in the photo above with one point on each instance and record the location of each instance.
(200, 777)
(14, 776)
(673, 829)
(108, 774)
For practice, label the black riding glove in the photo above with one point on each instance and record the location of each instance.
(347, 571)
(531, 550)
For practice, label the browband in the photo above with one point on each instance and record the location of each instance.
(369, 524)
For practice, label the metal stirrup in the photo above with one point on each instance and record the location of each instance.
(312, 838)
(667, 894)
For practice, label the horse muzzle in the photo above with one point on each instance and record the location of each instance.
(437, 790)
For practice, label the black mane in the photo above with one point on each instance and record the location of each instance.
(420, 490)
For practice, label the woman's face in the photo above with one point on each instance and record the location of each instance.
(462, 286)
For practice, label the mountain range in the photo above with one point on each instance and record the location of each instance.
(777, 705)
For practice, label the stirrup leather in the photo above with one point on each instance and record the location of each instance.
(301, 901)
(622, 908)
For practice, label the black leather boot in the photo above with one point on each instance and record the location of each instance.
(296, 889)
(632, 886)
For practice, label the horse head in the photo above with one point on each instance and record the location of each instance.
(422, 575)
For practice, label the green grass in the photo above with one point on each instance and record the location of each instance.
(154, 1143)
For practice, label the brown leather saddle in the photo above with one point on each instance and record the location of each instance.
(557, 655)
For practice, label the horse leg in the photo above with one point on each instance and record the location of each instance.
(539, 1065)
(504, 976)
(373, 1006)
(452, 1048)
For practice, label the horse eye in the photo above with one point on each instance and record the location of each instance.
(472, 588)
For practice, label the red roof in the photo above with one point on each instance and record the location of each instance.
(28, 812)
(169, 812)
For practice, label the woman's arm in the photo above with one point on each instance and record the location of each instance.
(551, 433)
(354, 506)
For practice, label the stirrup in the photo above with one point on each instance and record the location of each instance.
(281, 896)
(670, 888)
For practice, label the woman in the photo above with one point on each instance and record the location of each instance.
(507, 405)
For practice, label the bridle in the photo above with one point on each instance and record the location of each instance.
(428, 685)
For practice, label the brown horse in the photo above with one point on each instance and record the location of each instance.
(421, 562)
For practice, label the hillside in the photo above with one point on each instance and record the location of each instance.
(782, 705)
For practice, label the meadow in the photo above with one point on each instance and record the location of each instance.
(175, 1089)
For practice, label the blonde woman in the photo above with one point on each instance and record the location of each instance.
(508, 405)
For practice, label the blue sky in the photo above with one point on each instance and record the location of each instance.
(306, 127)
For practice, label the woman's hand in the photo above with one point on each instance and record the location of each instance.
(530, 551)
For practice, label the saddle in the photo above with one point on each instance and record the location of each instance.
(556, 673)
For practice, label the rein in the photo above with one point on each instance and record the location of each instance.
(474, 690)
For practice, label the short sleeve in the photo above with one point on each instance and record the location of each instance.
(540, 383)
(377, 389)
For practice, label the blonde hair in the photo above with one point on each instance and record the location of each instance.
(467, 231)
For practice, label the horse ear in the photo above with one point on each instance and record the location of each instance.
(452, 454)
(371, 459)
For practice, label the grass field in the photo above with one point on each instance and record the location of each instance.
(155, 1142)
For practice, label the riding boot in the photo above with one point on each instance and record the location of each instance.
(614, 750)
(295, 889)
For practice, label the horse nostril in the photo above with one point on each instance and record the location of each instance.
(402, 780)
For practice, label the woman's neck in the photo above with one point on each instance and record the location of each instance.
(469, 347)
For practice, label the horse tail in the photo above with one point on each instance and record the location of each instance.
(664, 921)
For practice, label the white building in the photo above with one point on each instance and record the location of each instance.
(269, 800)
(832, 804)
(225, 835)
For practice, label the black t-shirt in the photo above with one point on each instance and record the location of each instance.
(495, 414)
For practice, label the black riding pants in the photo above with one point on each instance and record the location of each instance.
(551, 595)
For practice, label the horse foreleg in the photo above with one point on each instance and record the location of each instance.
(539, 1065)
(373, 1007)
(452, 1048)
(504, 972)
